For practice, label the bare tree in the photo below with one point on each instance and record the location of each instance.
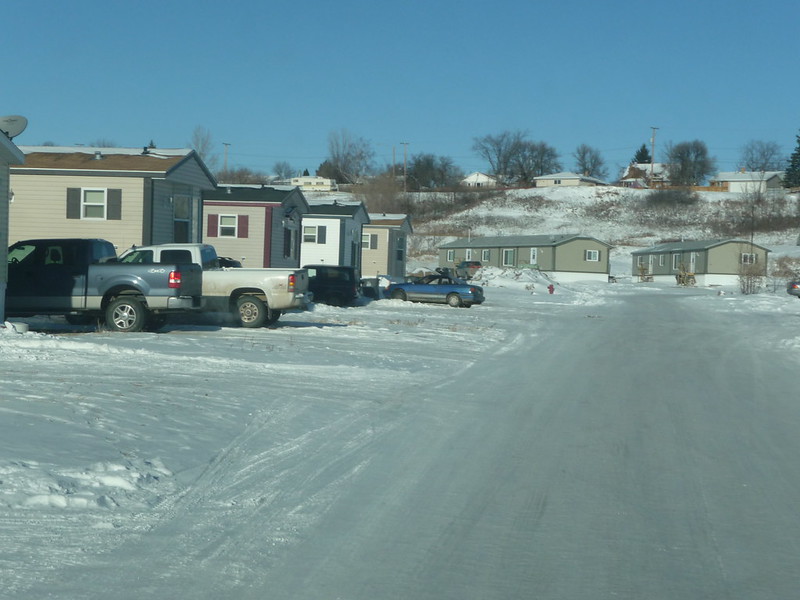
(589, 162)
(350, 157)
(202, 143)
(429, 171)
(500, 151)
(283, 170)
(381, 193)
(689, 163)
(241, 175)
(762, 156)
(533, 159)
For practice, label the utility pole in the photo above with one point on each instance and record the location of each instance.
(405, 166)
(226, 144)
(652, 151)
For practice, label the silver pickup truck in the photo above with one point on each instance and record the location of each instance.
(82, 280)
(254, 297)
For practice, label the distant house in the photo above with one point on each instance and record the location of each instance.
(310, 183)
(332, 233)
(9, 155)
(711, 262)
(749, 181)
(125, 195)
(569, 257)
(645, 175)
(479, 180)
(258, 225)
(566, 179)
(384, 243)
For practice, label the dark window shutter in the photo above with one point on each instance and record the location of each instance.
(244, 223)
(321, 234)
(73, 203)
(213, 225)
(373, 241)
(114, 205)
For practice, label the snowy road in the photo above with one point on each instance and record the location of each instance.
(603, 443)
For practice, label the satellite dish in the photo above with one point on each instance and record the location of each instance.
(13, 125)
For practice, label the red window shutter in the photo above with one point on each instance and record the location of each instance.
(244, 222)
(213, 225)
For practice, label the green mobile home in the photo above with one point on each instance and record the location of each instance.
(564, 257)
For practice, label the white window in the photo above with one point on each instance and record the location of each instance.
(228, 226)
(451, 256)
(508, 257)
(314, 234)
(486, 255)
(93, 204)
(748, 258)
(534, 256)
(676, 262)
(591, 255)
(468, 254)
(661, 260)
(369, 241)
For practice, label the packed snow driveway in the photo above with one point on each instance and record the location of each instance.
(603, 442)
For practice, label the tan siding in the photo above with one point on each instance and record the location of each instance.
(570, 257)
(39, 209)
(376, 262)
(251, 248)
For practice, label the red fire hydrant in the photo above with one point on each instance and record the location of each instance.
(551, 288)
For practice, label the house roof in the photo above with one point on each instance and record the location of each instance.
(337, 208)
(640, 170)
(390, 220)
(748, 175)
(570, 175)
(141, 161)
(518, 241)
(692, 245)
(252, 193)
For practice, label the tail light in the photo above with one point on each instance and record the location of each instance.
(292, 281)
(174, 279)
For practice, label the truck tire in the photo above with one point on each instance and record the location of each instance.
(126, 313)
(251, 312)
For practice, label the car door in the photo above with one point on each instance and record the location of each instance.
(45, 277)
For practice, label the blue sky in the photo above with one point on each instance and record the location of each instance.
(274, 78)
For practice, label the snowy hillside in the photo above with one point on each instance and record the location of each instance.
(619, 216)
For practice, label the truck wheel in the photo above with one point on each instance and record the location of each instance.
(251, 312)
(273, 317)
(126, 313)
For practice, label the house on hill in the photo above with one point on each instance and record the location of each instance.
(569, 257)
(125, 195)
(709, 262)
(312, 183)
(257, 224)
(744, 182)
(645, 175)
(565, 179)
(384, 242)
(479, 180)
(9, 155)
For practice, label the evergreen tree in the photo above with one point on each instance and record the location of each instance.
(792, 177)
(642, 156)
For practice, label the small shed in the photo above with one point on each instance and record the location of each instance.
(479, 180)
(707, 262)
(332, 233)
(564, 257)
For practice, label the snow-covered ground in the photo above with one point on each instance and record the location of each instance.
(322, 458)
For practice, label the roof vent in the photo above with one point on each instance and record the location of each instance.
(145, 150)
(98, 155)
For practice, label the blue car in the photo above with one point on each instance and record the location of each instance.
(439, 287)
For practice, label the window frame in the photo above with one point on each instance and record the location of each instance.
(505, 254)
(221, 228)
(85, 204)
(591, 255)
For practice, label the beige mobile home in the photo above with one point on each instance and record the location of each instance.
(125, 195)
(384, 242)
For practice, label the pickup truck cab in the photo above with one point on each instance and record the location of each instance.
(82, 280)
(253, 297)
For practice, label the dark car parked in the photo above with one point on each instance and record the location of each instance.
(333, 284)
(466, 269)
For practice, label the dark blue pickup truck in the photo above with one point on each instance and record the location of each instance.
(82, 280)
